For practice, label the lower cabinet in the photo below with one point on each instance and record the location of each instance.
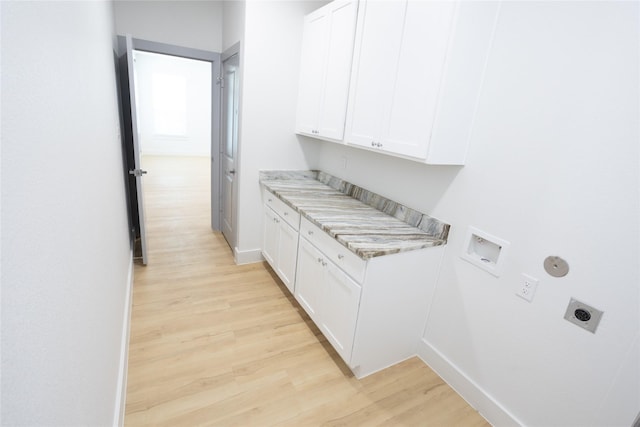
(329, 296)
(280, 247)
(373, 312)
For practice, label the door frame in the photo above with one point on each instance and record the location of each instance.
(216, 66)
(228, 53)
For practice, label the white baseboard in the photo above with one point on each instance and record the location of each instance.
(470, 391)
(247, 257)
(121, 391)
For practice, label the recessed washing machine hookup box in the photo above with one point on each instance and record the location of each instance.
(485, 251)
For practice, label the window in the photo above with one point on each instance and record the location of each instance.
(169, 100)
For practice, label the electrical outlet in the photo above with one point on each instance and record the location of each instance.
(527, 288)
(583, 315)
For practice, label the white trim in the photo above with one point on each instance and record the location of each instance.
(121, 391)
(468, 389)
(247, 257)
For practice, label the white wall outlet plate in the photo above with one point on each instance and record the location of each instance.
(527, 287)
(583, 315)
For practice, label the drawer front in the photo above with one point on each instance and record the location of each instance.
(349, 262)
(281, 208)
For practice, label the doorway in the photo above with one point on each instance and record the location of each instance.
(173, 99)
(168, 124)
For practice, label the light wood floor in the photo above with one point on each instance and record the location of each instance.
(213, 343)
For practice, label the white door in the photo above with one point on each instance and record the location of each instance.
(314, 48)
(340, 313)
(287, 254)
(270, 236)
(230, 98)
(418, 75)
(341, 34)
(137, 171)
(375, 53)
(310, 274)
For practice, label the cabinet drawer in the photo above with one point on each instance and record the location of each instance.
(281, 208)
(351, 263)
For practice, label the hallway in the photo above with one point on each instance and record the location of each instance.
(213, 343)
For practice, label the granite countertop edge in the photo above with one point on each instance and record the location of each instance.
(431, 232)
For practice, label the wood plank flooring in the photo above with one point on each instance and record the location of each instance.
(213, 343)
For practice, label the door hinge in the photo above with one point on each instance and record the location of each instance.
(137, 172)
(220, 81)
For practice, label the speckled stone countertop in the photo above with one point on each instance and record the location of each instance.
(367, 224)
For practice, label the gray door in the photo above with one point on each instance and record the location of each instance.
(137, 170)
(230, 85)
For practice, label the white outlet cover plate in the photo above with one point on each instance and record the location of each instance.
(527, 287)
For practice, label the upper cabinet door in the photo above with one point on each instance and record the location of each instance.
(417, 72)
(333, 109)
(401, 49)
(408, 82)
(378, 41)
(313, 59)
(327, 50)
(459, 94)
(417, 77)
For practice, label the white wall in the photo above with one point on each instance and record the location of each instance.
(233, 14)
(197, 75)
(65, 246)
(195, 24)
(270, 66)
(553, 168)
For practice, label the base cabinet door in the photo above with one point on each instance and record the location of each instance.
(270, 236)
(280, 247)
(287, 254)
(340, 312)
(329, 296)
(310, 278)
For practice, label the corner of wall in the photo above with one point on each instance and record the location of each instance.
(247, 257)
(468, 389)
(121, 390)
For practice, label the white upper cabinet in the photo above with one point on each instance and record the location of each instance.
(377, 44)
(327, 52)
(416, 76)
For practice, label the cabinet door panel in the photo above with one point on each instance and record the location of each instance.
(376, 50)
(270, 236)
(418, 77)
(309, 282)
(340, 310)
(314, 50)
(338, 69)
(466, 60)
(287, 254)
